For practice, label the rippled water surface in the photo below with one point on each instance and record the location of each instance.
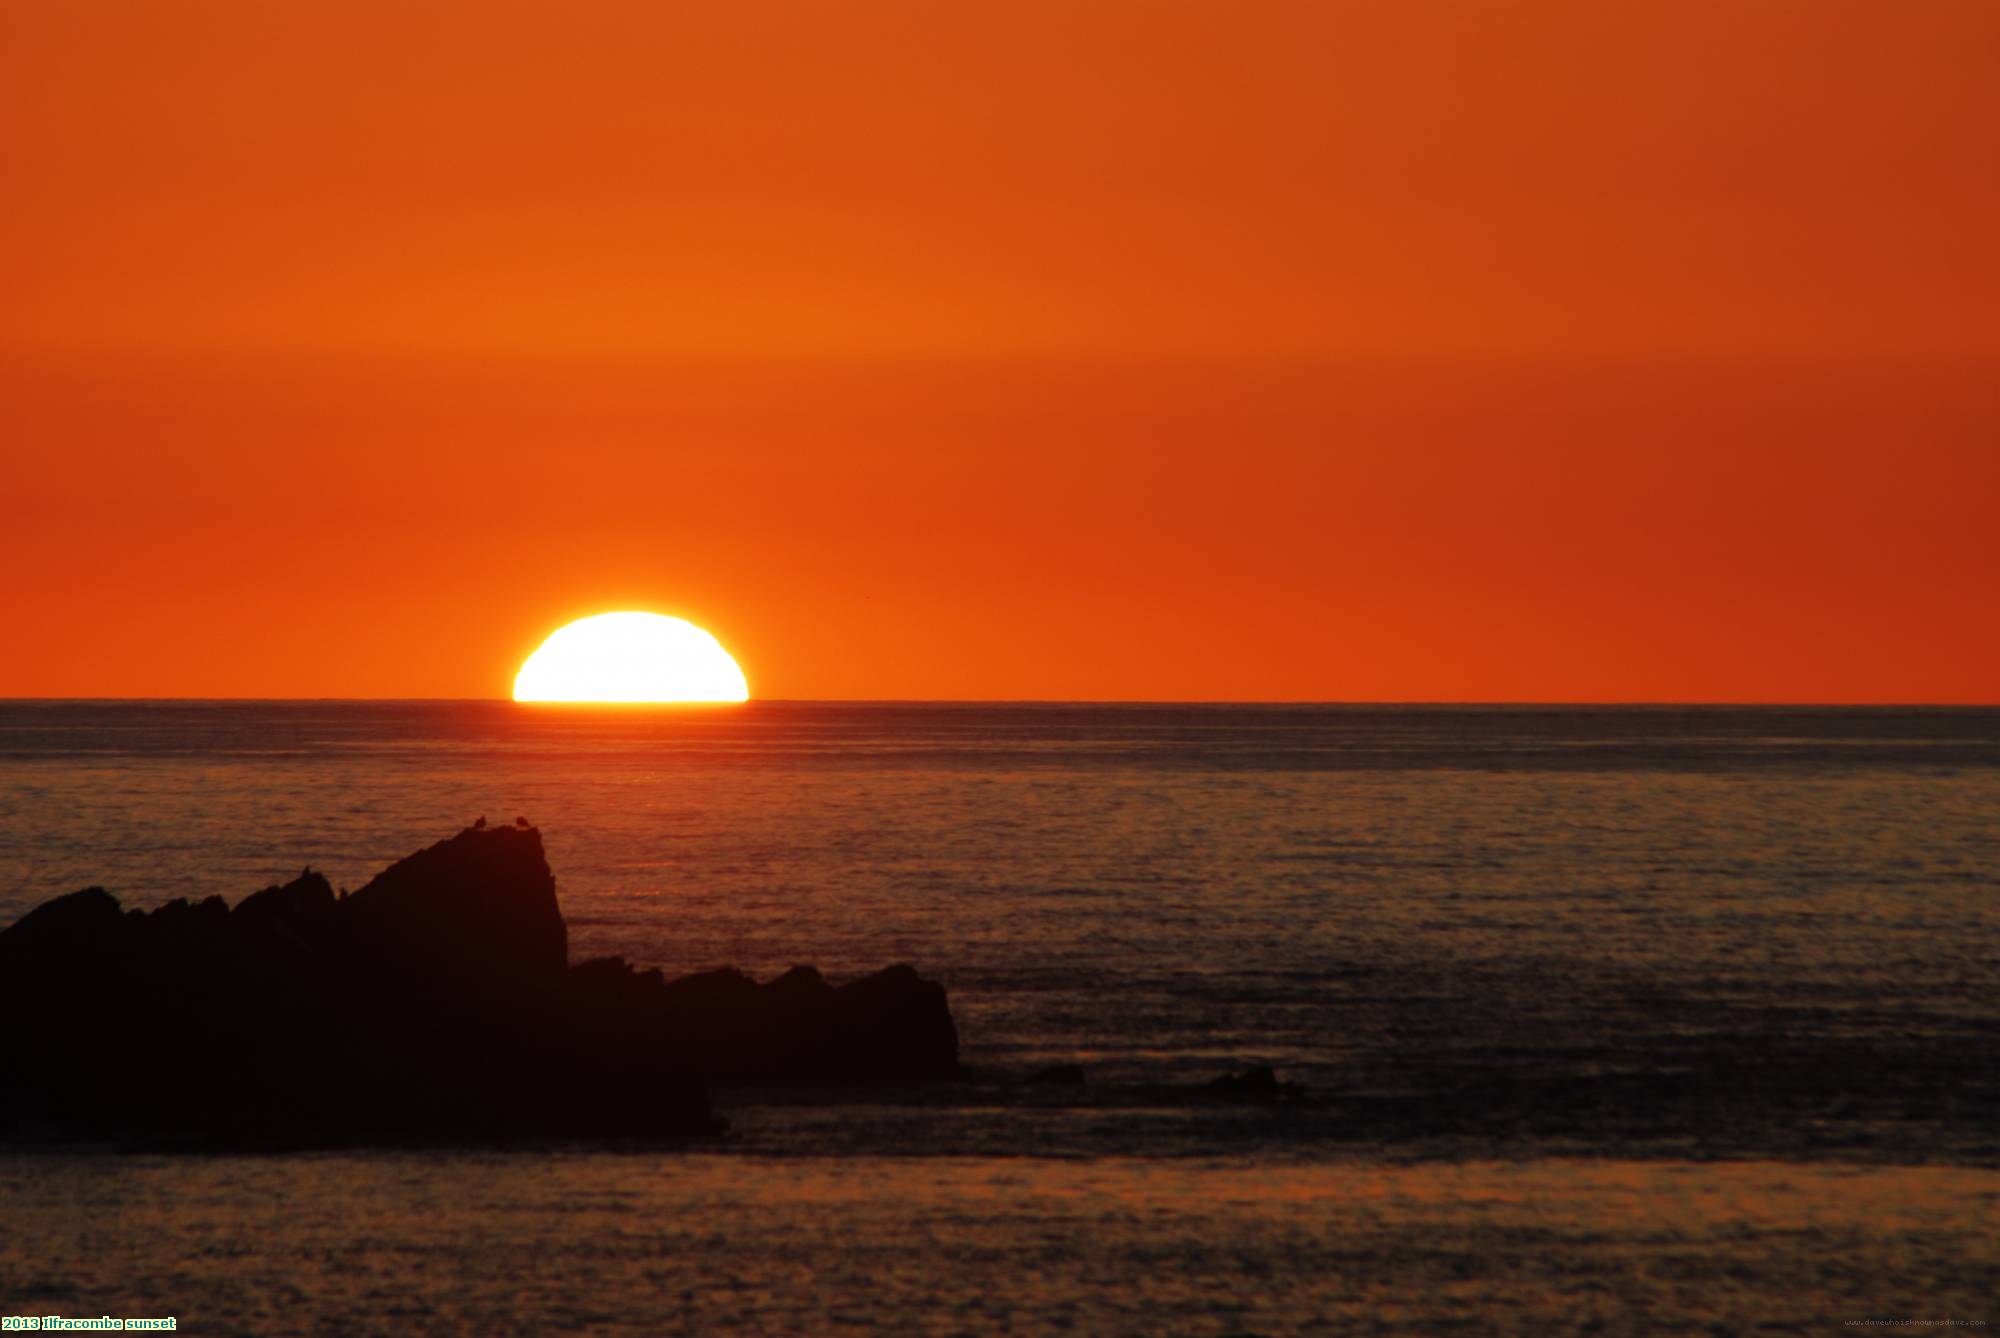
(1375, 900)
(1646, 1015)
(634, 1243)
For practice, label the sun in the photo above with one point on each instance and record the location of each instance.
(630, 657)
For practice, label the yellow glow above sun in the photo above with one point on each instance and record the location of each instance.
(630, 657)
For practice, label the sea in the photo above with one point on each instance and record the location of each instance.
(1621, 1019)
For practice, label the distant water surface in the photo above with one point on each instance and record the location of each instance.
(609, 1242)
(1595, 923)
(1635, 1020)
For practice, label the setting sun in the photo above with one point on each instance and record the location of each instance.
(630, 657)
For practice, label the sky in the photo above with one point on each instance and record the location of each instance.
(1245, 350)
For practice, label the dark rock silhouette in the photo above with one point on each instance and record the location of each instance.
(435, 1003)
(1259, 1084)
(80, 922)
(302, 907)
(481, 906)
(724, 1025)
(1057, 1075)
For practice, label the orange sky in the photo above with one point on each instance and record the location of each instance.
(1148, 349)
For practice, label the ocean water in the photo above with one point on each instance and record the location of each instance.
(609, 1242)
(1579, 1002)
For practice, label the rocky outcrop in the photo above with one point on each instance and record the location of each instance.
(795, 1028)
(1255, 1084)
(481, 906)
(436, 1003)
(86, 921)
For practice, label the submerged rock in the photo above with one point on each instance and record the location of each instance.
(435, 1003)
(1057, 1075)
(1259, 1084)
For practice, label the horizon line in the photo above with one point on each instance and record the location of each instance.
(1495, 702)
